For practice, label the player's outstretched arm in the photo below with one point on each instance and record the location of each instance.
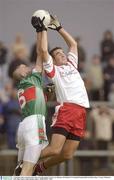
(72, 44)
(42, 40)
(39, 66)
(44, 46)
(55, 25)
(38, 24)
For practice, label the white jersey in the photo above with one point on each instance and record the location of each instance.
(69, 85)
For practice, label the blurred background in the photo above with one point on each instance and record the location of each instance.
(91, 23)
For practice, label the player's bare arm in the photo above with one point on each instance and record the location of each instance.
(69, 40)
(55, 25)
(38, 24)
(44, 46)
(38, 65)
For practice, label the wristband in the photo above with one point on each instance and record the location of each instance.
(58, 28)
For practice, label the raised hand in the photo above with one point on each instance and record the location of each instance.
(54, 24)
(38, 24)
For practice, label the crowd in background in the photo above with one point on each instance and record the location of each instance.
(97, 73)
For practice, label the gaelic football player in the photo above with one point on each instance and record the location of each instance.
(69, 123)
(31, 132)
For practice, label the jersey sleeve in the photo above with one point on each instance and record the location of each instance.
(49, 67)
(73, 59)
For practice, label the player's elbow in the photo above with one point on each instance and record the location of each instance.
(43, 49)
(44, 54)
(73, 46)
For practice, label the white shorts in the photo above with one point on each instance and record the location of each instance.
(31, 137)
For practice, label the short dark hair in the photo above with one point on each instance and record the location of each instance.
(14, 70)
(14, 65)
(54, 49)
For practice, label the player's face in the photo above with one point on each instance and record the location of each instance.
(22, 71)
(59, 57)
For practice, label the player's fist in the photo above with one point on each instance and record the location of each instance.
(54, 24)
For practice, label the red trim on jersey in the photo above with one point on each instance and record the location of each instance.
(29, 94)
(52, 73)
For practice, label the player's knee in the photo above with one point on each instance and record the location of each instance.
(56, 151)
(27, 170)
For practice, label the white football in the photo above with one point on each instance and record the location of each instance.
(41, 14)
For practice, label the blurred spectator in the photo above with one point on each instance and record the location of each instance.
(49, 88)
(3, 54)
(102, 119)
(3, 65)
(108, 77)
(95, 75)
(107, 46)
(3, 96)
(81, 55)
(12, 116)
(111, 94)
(19, 58)
(50, 92)
(33, 54)
(3, 143)
(18, 45)
(1, 116)
(87, 83)
(86, 163)
(19, 54)
(3, 76)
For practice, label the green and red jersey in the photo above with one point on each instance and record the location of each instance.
(30, 95)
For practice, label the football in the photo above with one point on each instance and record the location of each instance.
(41, 14)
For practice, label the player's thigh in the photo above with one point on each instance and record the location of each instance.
(20, 143)
(57, 141)
(69, 148)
